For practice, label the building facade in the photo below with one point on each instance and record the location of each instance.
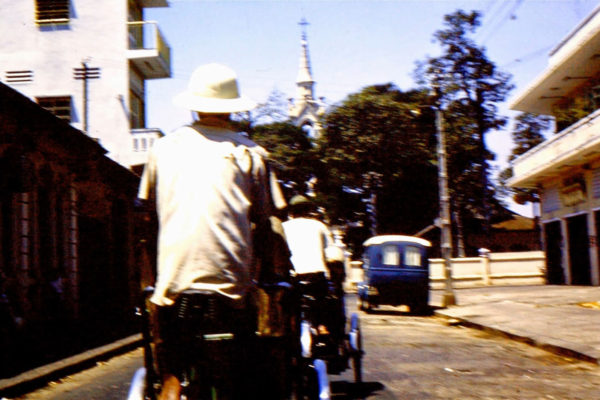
(304, 110)
(67, 238)
(87, 62)
(565, 169)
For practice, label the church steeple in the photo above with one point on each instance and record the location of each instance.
(304, 110)
(305, 80)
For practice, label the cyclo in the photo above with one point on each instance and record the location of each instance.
(282, 356)
(330, 353)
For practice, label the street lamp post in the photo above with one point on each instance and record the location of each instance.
(448, 299)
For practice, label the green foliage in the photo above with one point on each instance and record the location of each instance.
(290, 151)
(380, 142)
(527, 133)
(469, 87)
(573, 110)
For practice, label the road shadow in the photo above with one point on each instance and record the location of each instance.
(364, 390)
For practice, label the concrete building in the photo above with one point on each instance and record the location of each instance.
(565, 169)
(304, 110)
(87, 61)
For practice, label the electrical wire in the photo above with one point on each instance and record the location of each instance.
(511, 14)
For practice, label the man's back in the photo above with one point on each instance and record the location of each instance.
(307, 239)
(203, 185)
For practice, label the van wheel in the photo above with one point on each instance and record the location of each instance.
(419, 307)
(368, 306)
(364, 305)
(356, 351)
(361, 304)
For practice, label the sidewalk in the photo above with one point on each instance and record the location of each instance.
(545, 316)
(37, 377)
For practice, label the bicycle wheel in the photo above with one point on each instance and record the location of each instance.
(356, 351)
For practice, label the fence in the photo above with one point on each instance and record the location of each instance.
(516, 268)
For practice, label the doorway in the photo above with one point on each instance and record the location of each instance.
(553, 240)
(579, 254)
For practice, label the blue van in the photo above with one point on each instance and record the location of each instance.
(396, 272)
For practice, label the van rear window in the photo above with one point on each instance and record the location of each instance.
(391, 256)
(412, 256)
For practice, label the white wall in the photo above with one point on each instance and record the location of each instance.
(97, 32)
(515, 268)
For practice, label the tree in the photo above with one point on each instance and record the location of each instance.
(527, 133)
(469, 87)
(291, 154)
(274, 109)
(378, 145)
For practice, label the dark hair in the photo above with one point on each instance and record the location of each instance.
(302, 209)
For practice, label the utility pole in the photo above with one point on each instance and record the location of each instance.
(86, 73)
(448, 299)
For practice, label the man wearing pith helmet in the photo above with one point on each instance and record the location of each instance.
(210, 187)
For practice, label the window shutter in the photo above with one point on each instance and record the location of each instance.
(596, 183)
(550, 199)
(52, 11)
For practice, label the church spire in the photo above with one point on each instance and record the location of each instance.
(304, 110)
(304, 72)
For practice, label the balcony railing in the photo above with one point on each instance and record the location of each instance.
(142, 140)
(572, 146)
(148, 49)
(154, 3)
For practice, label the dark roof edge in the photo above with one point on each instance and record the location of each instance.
(12, 99)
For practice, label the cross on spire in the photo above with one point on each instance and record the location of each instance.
(303, 23)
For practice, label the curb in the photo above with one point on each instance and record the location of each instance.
(35, 378)
(555, 348)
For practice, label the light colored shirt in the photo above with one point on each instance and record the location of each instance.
(307, 239)
(204, 180)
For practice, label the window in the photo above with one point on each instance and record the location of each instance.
(550, 199)
(365, 260)
(136, 116)
(412, 256)
(596, 183)
(52, 11)
(390, 255)
(135, 30)
(59, 106)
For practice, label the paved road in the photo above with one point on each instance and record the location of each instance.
(423, 358)
(408, 357)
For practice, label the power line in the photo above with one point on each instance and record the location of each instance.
(527, 57)
(490, 19)
(510, 14)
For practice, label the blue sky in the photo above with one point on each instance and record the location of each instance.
(352, 44)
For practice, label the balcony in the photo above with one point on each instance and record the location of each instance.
(148, 50)
(575, 145)
(142, 140)
(574, 61)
